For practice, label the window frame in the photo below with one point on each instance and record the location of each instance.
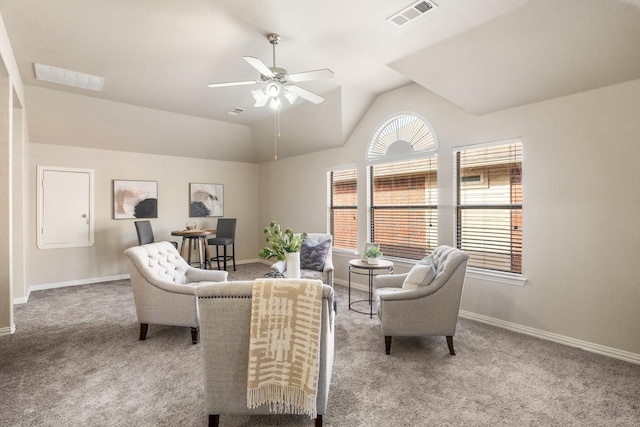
(331, 207)
(488, 274)
(402, 137)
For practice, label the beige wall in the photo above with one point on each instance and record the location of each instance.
(106, 259)
(581, 198)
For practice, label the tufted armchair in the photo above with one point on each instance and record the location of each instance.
(163, 287)
(308, 252)
(424, 301)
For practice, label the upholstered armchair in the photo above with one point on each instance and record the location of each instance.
(225, 323)
(316, 261)
(164, 287)
(424, 301)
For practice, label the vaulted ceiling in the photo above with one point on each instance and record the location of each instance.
(157, 57)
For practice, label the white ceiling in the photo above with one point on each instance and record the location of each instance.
(483, 55)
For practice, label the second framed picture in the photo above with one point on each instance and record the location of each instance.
(206, 200)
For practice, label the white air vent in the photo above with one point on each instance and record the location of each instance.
(412, 12)
(236, 111)
(47, 73)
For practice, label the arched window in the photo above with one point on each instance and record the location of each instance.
(403, 187)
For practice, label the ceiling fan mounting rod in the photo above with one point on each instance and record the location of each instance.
(273, 39)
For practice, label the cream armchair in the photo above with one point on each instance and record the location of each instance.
(225, 321)
(309, 260)
(424, 301)
(163, 287)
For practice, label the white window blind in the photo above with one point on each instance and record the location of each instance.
(343, 208)
(489, 205)
(403, 207)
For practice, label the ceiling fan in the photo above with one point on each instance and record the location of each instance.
(278, 81)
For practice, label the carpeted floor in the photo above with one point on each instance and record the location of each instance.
(75, 360)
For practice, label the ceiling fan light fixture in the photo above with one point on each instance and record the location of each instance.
(275, 103)
(291, 97)
(273, 89)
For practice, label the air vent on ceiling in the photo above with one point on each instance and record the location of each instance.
(412, 12)
(236, 111)
(47, 73)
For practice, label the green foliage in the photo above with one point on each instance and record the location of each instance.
(373, 252)
(281, 242)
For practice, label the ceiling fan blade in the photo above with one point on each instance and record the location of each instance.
(239, 83)
(325, 73)
(303, 93)
(259, 65)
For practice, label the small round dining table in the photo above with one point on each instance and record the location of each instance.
(199, 239)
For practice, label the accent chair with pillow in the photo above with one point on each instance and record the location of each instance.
(426, 300)
(315, 259)
(164, 287)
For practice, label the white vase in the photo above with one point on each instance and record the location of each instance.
(293, 265)
(372, 260)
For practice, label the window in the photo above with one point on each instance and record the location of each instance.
(404, 214)
(489, 205)
(403, 211)
(343, 208)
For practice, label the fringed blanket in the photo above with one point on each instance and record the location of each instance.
(284, 345)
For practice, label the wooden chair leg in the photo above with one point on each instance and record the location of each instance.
(144, 327)
(450, 344)
(387, 344)
(319, 421)
(194, 335)
(214, 420)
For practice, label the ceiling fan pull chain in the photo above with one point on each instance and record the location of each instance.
(276, 135)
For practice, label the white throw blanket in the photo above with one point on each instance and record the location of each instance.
(284, 345)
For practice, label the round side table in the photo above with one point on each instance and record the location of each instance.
(363, 268)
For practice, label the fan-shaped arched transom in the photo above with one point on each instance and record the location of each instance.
(400, 136)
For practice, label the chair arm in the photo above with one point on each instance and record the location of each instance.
(389, 280)
(279, 266)
(200, 275)
(399, 295)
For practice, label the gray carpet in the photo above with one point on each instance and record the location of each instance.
(75, 360)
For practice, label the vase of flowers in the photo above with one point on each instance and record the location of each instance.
(284, 246)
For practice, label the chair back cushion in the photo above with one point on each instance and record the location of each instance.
(226, 228)
(144, 231)
(159, 262)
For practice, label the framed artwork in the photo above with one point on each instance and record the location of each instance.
(369, 245)
(206, 200)
(135, 199)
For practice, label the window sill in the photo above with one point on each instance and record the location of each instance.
(496, 276)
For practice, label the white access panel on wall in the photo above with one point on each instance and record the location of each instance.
(65, 207)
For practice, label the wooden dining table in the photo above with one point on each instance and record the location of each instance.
(199, 239)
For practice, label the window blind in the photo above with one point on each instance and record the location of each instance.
(403, 207)
(343, 208)
(489, 206)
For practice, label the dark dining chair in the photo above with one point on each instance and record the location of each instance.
(145, 233)
(225, 236)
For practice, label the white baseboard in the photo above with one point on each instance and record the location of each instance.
(8, 330)
(549, 336)
(560, 339)
(68, 283)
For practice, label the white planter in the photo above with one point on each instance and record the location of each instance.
(293, 265)
(373, 260)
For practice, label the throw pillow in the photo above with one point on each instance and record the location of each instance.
(312, 256)
(419, 275)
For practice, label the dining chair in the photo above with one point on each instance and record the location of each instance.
(145, 233)
(225, 236)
